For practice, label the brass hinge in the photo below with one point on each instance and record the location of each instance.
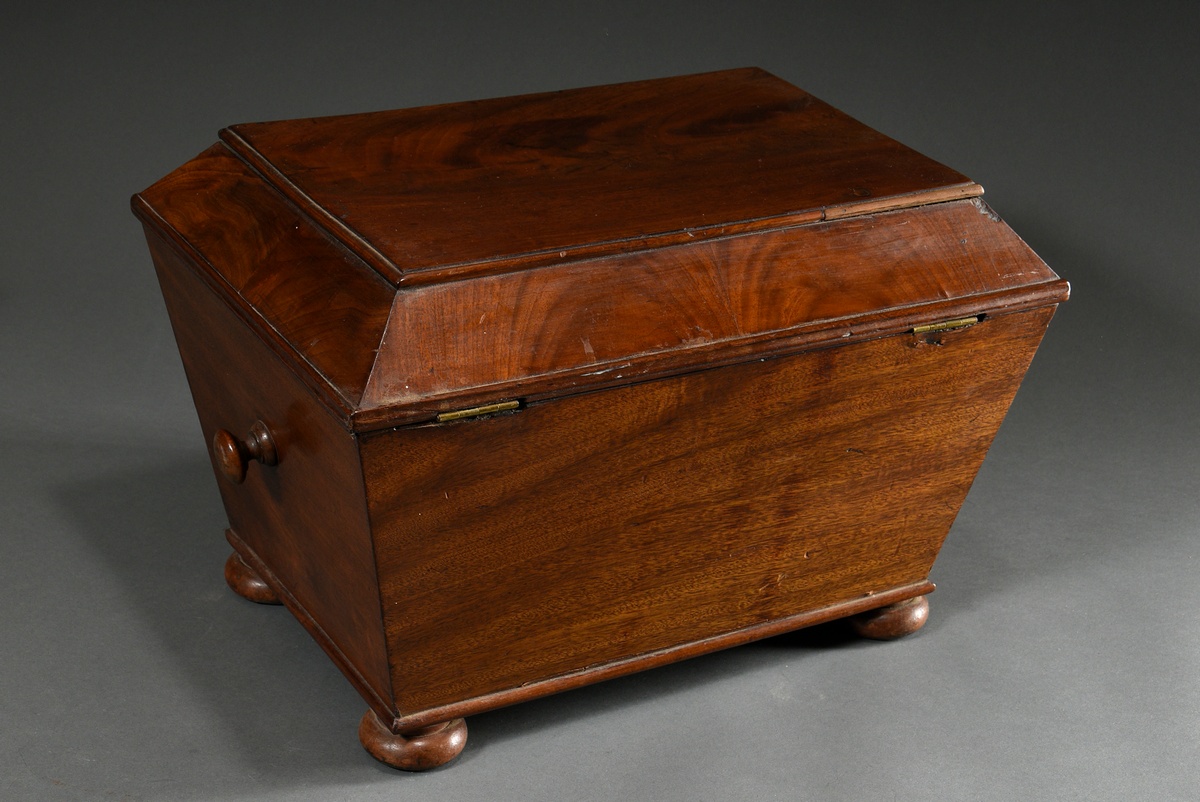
(475, 412)
(947, 325)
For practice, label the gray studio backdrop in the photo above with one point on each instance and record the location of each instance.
(1062, 660)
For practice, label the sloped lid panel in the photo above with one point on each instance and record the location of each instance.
(855, 238)
(689, 306)
(429, 190)
(324, 308)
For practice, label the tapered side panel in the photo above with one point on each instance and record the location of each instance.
(305, 517)
(604, 526)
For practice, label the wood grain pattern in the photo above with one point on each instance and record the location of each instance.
(609, 321)
(304, 519)
(320, 308)
(628, 304)
(602, 526)
(700, 296)
(429, 193)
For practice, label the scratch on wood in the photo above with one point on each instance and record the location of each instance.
(985, 210)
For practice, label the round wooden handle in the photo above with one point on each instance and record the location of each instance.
(233, 455)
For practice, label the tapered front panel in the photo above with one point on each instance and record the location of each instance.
(603, 526)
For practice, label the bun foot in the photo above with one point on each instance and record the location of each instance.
(246, 583)
(894, 621)
(416, 750)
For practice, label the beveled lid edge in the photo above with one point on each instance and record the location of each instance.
(351, 239)
(663, 365)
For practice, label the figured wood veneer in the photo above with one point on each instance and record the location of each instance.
(608, 525)
(511, 396)
(304, 517)
(639, 276)
(447, 191)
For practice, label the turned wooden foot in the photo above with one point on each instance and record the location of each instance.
(246, 583)
(416, 750)
(894, 621)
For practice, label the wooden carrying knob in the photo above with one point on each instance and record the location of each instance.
(233, 455)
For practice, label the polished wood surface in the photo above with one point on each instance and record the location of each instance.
(633, 304)
(233, 454)
(893, 621)
(415, 750)
(536, 689)
(245, 582)
(547, 390)
(603, 526)
(318, 307)
(300, 525)
(447, 190)
(580, 326)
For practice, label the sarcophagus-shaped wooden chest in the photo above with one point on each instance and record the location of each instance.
(507, 397)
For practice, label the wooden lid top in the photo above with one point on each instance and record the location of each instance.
(674, 224)
(444, 190)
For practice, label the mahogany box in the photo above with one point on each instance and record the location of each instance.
(511, 396)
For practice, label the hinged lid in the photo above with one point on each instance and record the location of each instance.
(417, 261)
